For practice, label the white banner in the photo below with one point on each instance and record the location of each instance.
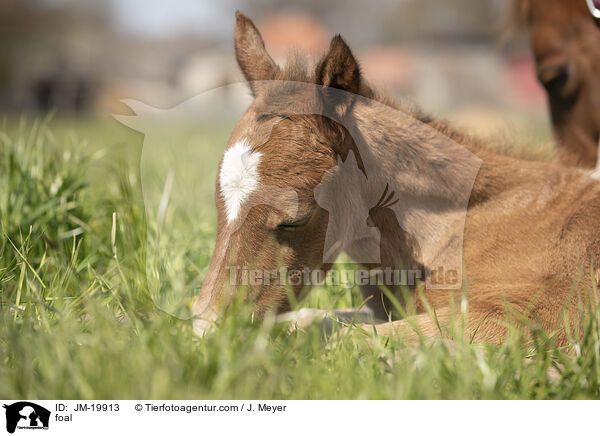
(297, 417)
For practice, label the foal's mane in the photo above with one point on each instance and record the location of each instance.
(298, 68)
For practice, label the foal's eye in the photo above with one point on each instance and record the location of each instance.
(265, 116)
(293, 225)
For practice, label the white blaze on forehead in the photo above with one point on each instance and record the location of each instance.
(239, 177)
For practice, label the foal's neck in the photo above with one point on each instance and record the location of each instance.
(431, 175)
(424, 161)
(433, 160)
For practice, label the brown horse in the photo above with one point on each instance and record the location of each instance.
(565, 39)
(530, 229)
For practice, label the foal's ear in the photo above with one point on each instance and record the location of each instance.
(250, 52)
(339, 69)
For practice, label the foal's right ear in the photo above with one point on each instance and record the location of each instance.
(250, 52)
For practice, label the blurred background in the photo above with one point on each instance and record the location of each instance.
(82, 57)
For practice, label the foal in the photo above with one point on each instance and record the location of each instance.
(565, 38)
(530, 229)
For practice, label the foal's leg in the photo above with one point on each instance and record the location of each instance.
(306, 316)
(479, 327)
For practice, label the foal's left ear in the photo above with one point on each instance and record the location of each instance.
(339, 69)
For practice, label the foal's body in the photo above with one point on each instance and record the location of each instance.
(530, 239)
(531, 235)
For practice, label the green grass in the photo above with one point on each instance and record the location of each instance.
(78, 318)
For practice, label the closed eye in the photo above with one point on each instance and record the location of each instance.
(269, 116)
(293, 225)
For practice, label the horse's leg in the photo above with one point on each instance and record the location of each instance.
(307, 316)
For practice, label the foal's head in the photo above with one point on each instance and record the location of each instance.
(565, 39)
(267, 215)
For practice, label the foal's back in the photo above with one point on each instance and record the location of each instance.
(534, 238)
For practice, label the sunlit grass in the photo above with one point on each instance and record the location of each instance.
(77, 319)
